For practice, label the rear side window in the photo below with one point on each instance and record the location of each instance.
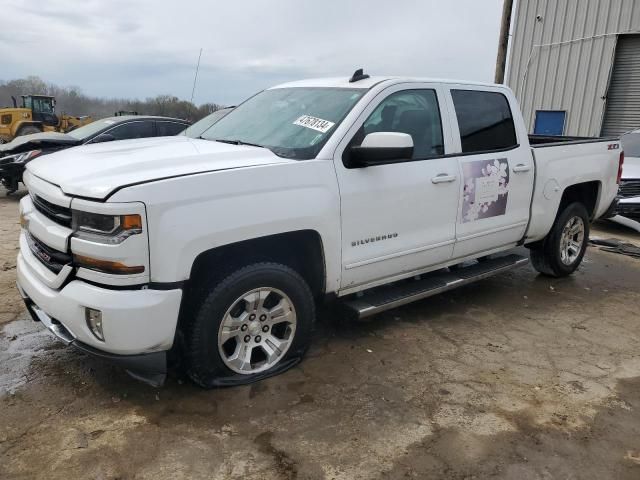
(485, 121)
(169, 129)
(139, 129)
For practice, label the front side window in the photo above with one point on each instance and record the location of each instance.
(132, 130)
(42, 105)
(414, 112)
(484, 120)
(291, 122)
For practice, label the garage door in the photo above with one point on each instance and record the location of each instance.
(622, 112)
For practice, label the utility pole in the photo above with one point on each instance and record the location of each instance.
(503, 41)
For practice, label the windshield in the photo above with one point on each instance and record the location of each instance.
(291, 122)
(198, 128)
(82, 133)
(631, 144)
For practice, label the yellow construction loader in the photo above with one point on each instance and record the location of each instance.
(37, 114)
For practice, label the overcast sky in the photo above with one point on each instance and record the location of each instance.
(141, 48)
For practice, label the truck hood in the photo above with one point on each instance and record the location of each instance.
(95, 171)
(37, 140)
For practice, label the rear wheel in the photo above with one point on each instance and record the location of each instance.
(562, 250)
(252, 324)
(27, 131)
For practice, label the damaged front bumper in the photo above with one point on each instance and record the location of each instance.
(150, 368)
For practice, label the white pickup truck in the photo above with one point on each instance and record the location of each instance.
(372, 191)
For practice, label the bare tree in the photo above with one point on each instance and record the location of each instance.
(72, 101)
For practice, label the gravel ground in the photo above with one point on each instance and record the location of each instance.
(518, 377)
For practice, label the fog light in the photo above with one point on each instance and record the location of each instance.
(24, 221)
(94, 322)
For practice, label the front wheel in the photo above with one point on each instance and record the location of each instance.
(562, 250)
(255, 323)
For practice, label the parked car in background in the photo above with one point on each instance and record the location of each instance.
(17, 153)
(359, 189)
(198, 128)
(629, 194)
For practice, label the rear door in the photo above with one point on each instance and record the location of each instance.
(399, 217)
(496, 168)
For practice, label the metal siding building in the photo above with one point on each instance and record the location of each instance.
(561, 59)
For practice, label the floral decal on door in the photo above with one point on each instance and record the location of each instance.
(486, 189)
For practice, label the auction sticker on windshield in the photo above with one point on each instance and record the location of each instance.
(314, 123)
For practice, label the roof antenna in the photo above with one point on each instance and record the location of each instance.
(195, 78)
(358, 75)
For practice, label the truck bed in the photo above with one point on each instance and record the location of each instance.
(591, 162)
(538, 141)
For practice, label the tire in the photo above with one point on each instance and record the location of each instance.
(553, 256)
(27, 131)
(10, 184)
(232, 320)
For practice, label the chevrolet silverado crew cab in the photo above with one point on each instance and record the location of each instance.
(372, 191)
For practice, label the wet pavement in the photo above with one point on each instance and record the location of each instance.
(517, 377)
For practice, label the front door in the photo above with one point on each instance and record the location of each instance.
(398, 218)
(497, 172)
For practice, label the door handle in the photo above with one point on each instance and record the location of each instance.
(443, 178)
(521, 167)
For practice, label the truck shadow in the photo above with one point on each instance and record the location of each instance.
(13, 197)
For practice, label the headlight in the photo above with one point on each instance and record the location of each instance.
(109, 229)
(26, 156)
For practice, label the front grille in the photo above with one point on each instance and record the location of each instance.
(630, 188)
(50, 258)
(58, 214)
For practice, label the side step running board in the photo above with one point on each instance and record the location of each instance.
(384, 298)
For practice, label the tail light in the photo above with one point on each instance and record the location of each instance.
(620, 167)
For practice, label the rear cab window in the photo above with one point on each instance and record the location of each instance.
(484, 120)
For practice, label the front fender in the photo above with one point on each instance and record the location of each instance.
(192, 214)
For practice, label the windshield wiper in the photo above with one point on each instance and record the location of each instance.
(238, 142)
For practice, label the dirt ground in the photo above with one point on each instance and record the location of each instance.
(516, 377)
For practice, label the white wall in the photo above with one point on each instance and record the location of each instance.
(573, 75)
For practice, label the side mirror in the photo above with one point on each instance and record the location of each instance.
(381, 148)
(103, 137)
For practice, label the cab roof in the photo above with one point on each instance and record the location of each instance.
(343, 82)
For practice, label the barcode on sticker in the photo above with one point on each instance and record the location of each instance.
(314, 123)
